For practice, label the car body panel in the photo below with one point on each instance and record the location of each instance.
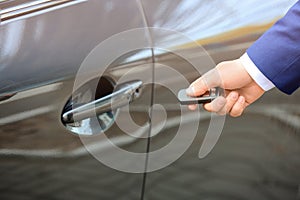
(36, 41)
(254, 158)
(41, 54)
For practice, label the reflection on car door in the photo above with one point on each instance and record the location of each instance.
(256, 156)
(39, 58)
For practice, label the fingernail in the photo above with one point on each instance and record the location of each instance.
(234, 95)
(190, 90)
(241, 100)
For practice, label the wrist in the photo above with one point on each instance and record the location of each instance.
(254, 72)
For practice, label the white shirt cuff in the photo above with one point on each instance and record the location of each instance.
(256, 74)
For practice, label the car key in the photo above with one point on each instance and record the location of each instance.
(213, 93)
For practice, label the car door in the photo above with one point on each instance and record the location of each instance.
(56, 59)
(255, 156)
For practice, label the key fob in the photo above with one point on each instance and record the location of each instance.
(213, 93)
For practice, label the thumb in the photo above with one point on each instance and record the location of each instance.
(209, 80)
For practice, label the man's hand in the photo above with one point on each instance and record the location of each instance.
(240, 89)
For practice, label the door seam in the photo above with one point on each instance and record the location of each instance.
(148, 146)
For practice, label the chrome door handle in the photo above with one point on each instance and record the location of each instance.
(123, 95)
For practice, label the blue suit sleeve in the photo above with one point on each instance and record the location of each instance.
(277, 52)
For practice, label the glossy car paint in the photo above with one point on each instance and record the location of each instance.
(256, 155)
(39, 58)
(40, 55)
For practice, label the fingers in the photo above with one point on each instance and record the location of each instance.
(197, 88)
(233, 105)
(217, 106)
(229, 75)
(203, 84)
(238, 108)
(192, 107)
(231, 98)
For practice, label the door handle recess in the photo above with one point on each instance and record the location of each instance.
(122, 96)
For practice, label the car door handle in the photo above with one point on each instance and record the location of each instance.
(122, 96)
